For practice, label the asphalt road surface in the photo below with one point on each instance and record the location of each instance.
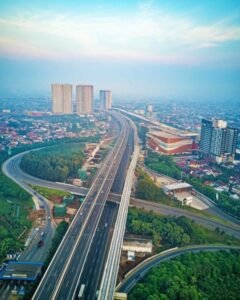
(92, 272)
(61, 280)
(228, 227)
(212, 208)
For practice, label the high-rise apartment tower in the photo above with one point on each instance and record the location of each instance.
(217, 140)
(62, 98)
(105, 99)
(84, 99)
(206, 136)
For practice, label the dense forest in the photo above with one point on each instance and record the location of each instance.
(170, 231)
(199, 276)
(55, 164)
(165, 165)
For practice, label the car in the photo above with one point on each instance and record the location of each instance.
(40, 243)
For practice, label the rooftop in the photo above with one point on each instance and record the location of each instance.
(176, 186)
(163, 134)
(21, 270)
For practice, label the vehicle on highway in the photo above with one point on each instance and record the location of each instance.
(40, 243)
(81, 291)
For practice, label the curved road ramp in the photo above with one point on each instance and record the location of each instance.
(136, 274)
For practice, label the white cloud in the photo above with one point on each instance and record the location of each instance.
(146, 35)
(14, 48)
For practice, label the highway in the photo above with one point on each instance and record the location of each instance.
(162, 209)
(93, 270)
(62, 277)
(94, 226)
(109, 278)
(32, 252)
(136, 274)
(11, 168)
(95, 260)
(212, 208)
(230, 226)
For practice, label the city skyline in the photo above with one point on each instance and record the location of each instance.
(119, 149)
(142, 49)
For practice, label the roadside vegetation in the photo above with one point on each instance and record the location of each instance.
(192, 276)
(169, 231)
(146, 189)
(162, 164)
(54, 163)
(60, 232)
(165, 165)
(50, 194)
(16, 204)
(225, 202)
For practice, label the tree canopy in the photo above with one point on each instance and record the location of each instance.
(192, 276)
(146, 189)
(170, 231)
(53, 163)
(163, 164)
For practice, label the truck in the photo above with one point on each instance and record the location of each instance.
(81, 291)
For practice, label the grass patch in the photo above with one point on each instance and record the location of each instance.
(50, 194)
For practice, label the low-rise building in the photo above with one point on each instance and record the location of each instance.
(137, 244)
(59, 210)
(177, 187)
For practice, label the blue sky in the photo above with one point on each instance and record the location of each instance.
(142, 49)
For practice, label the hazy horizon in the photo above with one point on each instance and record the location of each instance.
(142, 49)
